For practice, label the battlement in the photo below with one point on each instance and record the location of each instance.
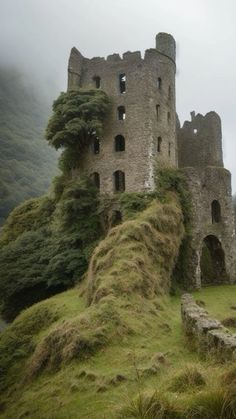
(126, 56)
(165, 46)
(200, 141)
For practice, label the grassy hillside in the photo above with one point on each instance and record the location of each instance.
(113, 346)
(148, 365)
(27, 164)
(123, 294)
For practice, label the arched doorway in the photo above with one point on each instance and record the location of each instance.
(212, 262)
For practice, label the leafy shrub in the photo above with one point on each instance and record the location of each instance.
(46, 245)
(77, 119)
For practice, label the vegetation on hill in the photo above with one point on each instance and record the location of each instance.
(27, 164)
(115, 287)
(129, 360)
(113, 345)
(46, 242)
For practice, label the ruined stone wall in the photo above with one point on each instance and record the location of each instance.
(205, 186)
(141, 126)
(200, 141)
(209, 334)
(200, 158)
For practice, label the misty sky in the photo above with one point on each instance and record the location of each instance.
(37, 35)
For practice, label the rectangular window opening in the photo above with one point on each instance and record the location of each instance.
(122, 82)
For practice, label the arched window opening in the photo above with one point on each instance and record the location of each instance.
(195, 131)
(159, 83)
(96, 179)
(158, 111)
(212, 263)
(97, 81)
(122, 83)
(119, 181)
(119, 143)
(215, 212)
(159, 141)
(121, 113)
(96, 146)
(168, 117)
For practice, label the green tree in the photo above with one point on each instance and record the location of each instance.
(78, 117)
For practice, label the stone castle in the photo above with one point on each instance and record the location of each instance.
(143, 129)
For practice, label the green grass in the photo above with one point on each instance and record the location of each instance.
(88, 388)
(114, 345)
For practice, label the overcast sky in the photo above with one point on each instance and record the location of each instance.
(37, 35)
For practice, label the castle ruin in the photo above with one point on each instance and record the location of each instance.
(143, 129)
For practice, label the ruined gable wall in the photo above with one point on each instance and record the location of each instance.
(200, 141)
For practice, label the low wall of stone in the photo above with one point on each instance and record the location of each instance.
(209, 335)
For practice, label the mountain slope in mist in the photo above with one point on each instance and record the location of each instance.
(27, 164)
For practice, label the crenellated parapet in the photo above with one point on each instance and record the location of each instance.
(165, 46)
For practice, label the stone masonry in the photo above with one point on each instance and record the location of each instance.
(149, 103)
(210, 335)
(142, 129)
(201, 160)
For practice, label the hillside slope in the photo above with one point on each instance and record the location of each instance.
(113, 346)
(27, 164)
(124, 294)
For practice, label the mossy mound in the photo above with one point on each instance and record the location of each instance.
(139, 255)
(115, 285)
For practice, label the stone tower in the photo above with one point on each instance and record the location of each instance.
(142, 124)
(140, 129)
(212, 242)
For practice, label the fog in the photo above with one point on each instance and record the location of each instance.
(37, 35)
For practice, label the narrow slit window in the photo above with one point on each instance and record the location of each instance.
(158, 111)
(96, 179)
(119, 143)
(96, 146)
(121, 113)
(119, 181)
(168, 117)
(169, 93)
(159, 141)
(159, 83)
(215, 212)
(122, 83)
(97, 82)
(169, 149)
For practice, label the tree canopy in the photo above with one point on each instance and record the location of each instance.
(78, 117)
